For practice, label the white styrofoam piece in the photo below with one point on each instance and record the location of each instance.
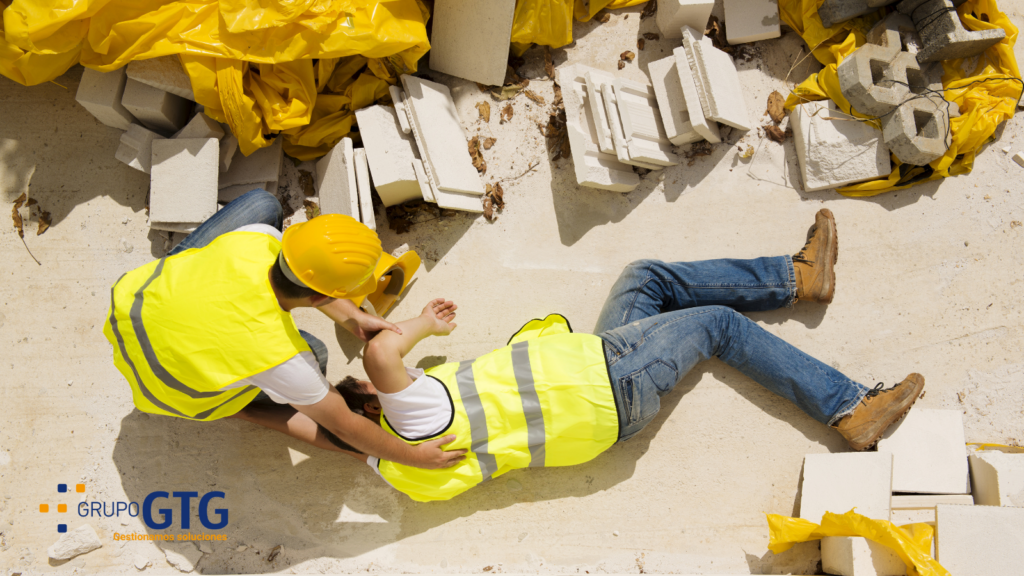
(702, 125)
(715, 70)
(594, 168)
(398, 97)
(100, 93)
(201, 126)
(183, 182)
(390, 154)
(834, 153)
(426, 186)
(641, 123)
(622, 151)
(838, 483)
(157, 110)
(668, 91)
(136, 147)
(366, 214)
(165, 73)
(998, 478)
(595, 81)
(441, 140)
(674, 14)
(470, 39)
(336, 181)
(980, 540)
(929, 453)
(857, 556)
(263, 165)
(751, 20)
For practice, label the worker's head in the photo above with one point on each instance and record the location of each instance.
(330, 256)
(361, 397)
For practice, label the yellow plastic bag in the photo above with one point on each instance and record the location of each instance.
(987, 94)
(549, 22)
(911, 542)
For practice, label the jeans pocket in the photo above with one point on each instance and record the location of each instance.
(663, 376)
(641, 397)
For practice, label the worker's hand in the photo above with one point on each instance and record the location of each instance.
(366, 326)
(430, 456)
(441, 315)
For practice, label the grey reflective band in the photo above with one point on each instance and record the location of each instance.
(531, 402)
(477, 419)
(288, 271)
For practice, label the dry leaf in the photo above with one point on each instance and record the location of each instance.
(498, 196)
(506, 113)
(622, 64)
(748, 152)
(774, 133)
(604, 17)
(488, 208)
(506, 92)
(650, 9)
(44, 222)
(274, 553)
(482, 87)
(716, 31)
(485, 111)
(312, 209)
(651, 36)
(627, 56)
(776, 106)
(640, 44)
(549, 65)
(535, 97)
(19, 224)
(489, 142)
(488, 568)
(306, 181)
(478, 157)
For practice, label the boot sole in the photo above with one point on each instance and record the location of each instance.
(896, 418)
(832, 239)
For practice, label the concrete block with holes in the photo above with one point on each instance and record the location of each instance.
(674, 14)
(834, 150)
(929, 453)
(470, 39)
(979, 540)
(751, 20)
(183, 182)
(942, 32)
(997, 478)
(100, 93)
(158, 110)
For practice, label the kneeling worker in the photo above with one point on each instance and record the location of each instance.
(555, 398)
(206, 332)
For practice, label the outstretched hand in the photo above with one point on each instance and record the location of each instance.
(441, 315)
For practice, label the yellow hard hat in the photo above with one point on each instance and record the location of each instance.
(333, 254)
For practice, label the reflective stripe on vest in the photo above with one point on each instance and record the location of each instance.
(544, 400)
(186, 326)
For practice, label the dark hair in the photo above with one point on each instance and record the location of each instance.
(354, 393)
(286, 286)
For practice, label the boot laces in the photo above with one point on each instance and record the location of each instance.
(878, 389)
(801, 256)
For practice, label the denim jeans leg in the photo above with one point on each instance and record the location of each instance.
(650, 287)
(319, 350)
(254, 207)
(647, 357)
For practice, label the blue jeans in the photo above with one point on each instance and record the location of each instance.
(661, 319)
(254, 207)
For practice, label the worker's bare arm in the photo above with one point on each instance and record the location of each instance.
(349, 316)
(382, 359)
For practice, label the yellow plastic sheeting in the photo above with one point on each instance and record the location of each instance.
(333, 116)
(987, 94)
(28, 68)
(911, 542)
(549, 22)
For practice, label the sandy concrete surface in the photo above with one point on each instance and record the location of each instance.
(929, 280)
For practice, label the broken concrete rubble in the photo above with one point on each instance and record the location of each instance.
(928, 452)
(702, 125)
(336, 181)
(751, 20)
(136, 148)
(718, 84)
(997, 478)
(943, 34)
(645, 136)
(390, 154)
(158, 110)
(81, 540)
(835, 151)
(668, 90)
(470, 39)
(674, 14)
(100, 93)
(980, 540)
(164, 73)
(183, 182)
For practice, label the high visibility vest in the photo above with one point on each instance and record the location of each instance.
(185, 326)
(543, 400)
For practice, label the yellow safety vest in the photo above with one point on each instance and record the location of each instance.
(543, 400)
(185, 326)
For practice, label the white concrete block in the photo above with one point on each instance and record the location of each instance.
(164, 73)
(100, 93)
(158, 110)
(838, 483)
(751, 20)
(998, 478)
(427, 188)
(390, 154)
(904, 517)
(470, 39)
(136, 148)
(834, 153)
(595, 81)
(81, 540)
(398, 97)
(929, 452)
(929, 501)
(716, 75)
(674, 14)
(336, 181)
(618, 133)
(980, 540)
(439, 135)
(671, 101)
(594, 168)
(856, 556)
(183, 183)
(201, 126)
(263, 165)
(366, 215)
(230, 193)
(228, 147)
(641, 123)
(702, 125)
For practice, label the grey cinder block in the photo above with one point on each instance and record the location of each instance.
(263, 165)
(157, 110)
(100, 93)
(183, 182)
(165, 73)
(944, 36)
(201, 126)
(136, 148)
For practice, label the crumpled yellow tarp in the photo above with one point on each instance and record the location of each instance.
(549, 22)
(911, 542)
(984, 90)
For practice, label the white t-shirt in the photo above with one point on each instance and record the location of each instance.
(422, 410)
(297, 380)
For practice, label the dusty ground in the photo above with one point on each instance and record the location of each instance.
(929, 280)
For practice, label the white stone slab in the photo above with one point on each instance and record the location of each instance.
(201, 126)
(980, 540)
(751, 20)
(618, 134)
(641, 123)
(336, 181)
(671, 101)
(157, 110)
(838, 483)
(426, 186)
(856, 556)
(366, 214)
(692, 38)
(441, 140)
(702, 125)
(100, 93)
(929, 452)
(674, 14)
(390, 154)
(183, 183)
(834, 153)
(596, 80)
(165, 73)
(722, 95)
(230, 193)
(398, 97)
(136, 148)
(998, 478)
(470, 39)
(593, 168)
(263, 165)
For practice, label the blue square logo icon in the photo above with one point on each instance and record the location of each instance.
(62, 528)
(62, 488)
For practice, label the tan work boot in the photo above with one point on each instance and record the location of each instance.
(814, 264)
(878, 410)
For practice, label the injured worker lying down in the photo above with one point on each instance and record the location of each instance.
(552, 397)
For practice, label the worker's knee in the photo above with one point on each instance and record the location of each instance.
(264, 208)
